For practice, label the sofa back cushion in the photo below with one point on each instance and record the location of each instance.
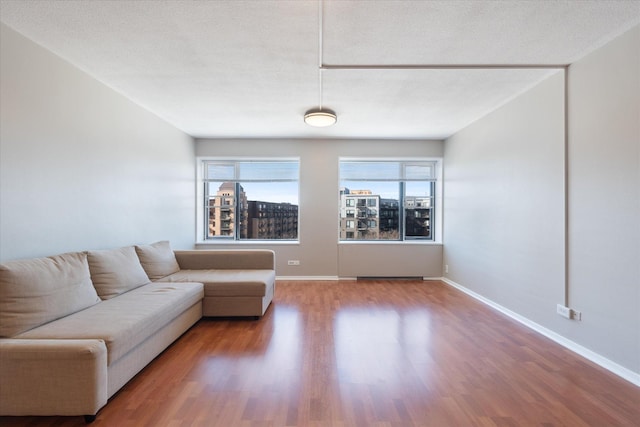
(158, 259)
(115, 271)
(37, 291)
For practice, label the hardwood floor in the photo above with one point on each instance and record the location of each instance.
(367, 353)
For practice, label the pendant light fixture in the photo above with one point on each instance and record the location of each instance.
(320, 117)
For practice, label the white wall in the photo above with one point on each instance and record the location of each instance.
(81, 167)
(504, 206)
(604, 200)
(318, 249)
(504, 209)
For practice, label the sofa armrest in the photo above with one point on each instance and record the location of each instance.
(232, 259)
(52, 377)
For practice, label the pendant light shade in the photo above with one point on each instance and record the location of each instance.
(320, 117)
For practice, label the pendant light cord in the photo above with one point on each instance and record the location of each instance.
(320, 16)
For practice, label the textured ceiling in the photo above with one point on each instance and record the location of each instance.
(244, 69)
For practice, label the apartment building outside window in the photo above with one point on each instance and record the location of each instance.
(387, 200)
(249, 199)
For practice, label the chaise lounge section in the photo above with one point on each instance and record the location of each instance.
(236, 282)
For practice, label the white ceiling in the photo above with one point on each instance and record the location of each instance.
(245, 69)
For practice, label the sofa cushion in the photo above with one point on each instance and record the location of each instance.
(227, 282)
(157, 259)
(125, 321)
(115, 271)
(39, 290)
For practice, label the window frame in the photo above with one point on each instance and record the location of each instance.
(436, 222)
(202, 217)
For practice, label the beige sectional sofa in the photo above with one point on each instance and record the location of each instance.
(76, 327)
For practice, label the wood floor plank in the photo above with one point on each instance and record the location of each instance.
(366, 353)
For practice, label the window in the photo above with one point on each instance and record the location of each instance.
(397, 198)
(249, 199)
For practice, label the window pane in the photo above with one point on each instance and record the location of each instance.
(221, 202)
(365, 171)
(268, 171)
(220, 171)
(272, 210)
(419, 172)
(376, 209)
(418, 209)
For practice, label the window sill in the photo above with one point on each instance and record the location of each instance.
(247, 242)
(390, 242)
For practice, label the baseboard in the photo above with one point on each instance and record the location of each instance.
(335, 278)
(596, 358)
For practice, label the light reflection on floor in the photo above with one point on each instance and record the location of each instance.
(376, 348)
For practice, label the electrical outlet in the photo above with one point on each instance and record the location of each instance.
(563, 311)
(569, 313)
(446, 268)
(293, 262)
